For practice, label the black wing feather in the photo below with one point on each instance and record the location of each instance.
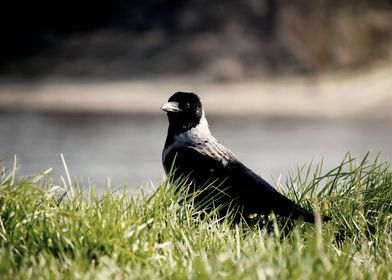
(253, 193)
(258, 196)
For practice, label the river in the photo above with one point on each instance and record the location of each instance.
(127, 148)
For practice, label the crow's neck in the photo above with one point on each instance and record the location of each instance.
(200, 128)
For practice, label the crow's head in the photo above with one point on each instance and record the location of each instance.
(184, 111)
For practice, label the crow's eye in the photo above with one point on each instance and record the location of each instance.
(187, 105)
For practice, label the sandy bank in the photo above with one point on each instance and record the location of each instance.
(360, 95)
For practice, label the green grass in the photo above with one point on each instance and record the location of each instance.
(54, 232)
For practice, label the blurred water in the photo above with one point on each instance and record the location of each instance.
(127, 148)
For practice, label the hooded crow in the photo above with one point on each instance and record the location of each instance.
(191, 152)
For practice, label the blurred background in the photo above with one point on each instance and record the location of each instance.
(283, 82)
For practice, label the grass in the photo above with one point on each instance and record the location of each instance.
(49, 231)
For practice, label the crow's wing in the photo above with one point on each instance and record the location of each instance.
(258, 196)
(239, 182)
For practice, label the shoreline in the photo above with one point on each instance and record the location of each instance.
(359, 95)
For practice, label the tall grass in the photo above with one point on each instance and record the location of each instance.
(53, 232)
